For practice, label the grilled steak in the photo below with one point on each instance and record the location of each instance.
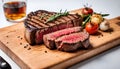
(36, 25)
(49, 39)
(69, 39)
(73, 41)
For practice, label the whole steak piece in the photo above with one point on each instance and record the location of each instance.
(36, 26)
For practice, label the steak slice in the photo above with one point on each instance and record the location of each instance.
(49, 39)
(36, 26)
(73, 41)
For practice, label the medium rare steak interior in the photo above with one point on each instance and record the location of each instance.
(69, 39)
(73, 41)
(49, 39)
(36, 24)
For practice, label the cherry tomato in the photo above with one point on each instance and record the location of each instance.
(92, 28)
(87, 10)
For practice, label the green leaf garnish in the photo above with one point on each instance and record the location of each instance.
(103, 15)
(86, 20)
(55, 16)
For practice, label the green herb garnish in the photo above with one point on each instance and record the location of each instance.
(86, 20)
(103, 15)
(55, 16)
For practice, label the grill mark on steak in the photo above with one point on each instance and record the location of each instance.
(35, 19)
(71, 17)
(61, 20)
(51, 24)
(29, 25)
(68, 20)
(31, 13)
(43, 20)
(75, 15)
(33, 24)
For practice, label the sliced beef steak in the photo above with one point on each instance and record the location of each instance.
(36, 26)
(73, 41)
(49, 39)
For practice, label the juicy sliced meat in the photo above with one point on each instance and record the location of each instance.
(36, 25)
(49, 39)
(73, 41)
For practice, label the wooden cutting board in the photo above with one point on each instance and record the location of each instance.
(12, 42)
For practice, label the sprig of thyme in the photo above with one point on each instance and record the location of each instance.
(103, 15)
(86, 20)
(55, 16)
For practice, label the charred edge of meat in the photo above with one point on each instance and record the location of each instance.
(44, 11)
(52, 45)
(86, 43)
(30, 27)
(30, 36)
(69, 47)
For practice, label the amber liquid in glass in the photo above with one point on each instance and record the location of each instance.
(15, 10)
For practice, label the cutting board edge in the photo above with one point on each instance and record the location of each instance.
(6, 50)
(83, 57)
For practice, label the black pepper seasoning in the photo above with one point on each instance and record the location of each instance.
(110, 32)
(26, 46)
(45, 51)
(21, 38)
(102, 35)
(29, 48)
(99, 36)
(7, 42)
(20, 43)
(18, 36)
(7, 36)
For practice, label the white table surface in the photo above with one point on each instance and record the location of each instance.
(107, 60)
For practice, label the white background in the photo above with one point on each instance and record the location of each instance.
(107, 60)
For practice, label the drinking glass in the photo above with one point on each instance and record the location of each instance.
(14, 10)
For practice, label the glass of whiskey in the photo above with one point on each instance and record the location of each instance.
(15, 10)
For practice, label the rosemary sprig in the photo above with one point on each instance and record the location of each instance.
(103, 15)
(86, 20)
(53, 17)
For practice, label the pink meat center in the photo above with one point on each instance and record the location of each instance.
(64, 32)
(74, 37)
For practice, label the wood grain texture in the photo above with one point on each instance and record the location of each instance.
(12, 42)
